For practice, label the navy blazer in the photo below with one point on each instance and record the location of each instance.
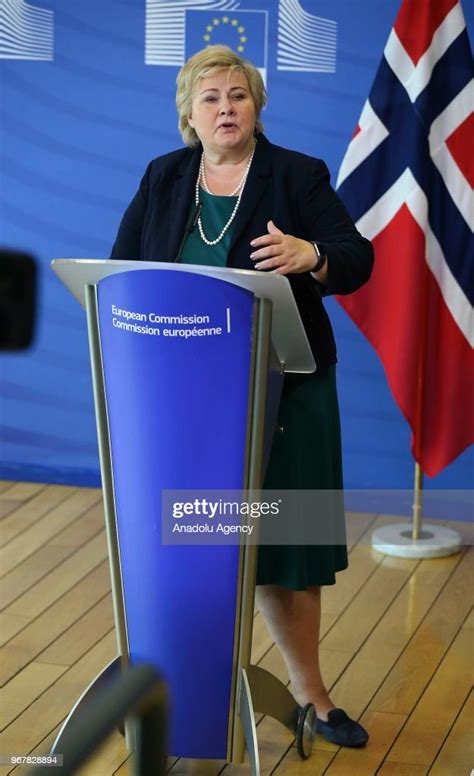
(287, 187)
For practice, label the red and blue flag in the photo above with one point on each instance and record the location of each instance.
(407, 179)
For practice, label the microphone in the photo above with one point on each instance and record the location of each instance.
(190, 227)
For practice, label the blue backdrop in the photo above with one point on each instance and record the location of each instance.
(87, 100)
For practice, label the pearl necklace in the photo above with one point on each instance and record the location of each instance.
(205, 184)
(241, 185)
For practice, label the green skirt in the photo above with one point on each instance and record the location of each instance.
(305, 455)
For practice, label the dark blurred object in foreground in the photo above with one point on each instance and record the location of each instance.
(17, 299)
(135, 690)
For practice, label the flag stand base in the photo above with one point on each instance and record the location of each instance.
(434, 541)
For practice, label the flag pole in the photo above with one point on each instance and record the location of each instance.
(417, 502)
(418, 429)
(403, 541)
(396, 539)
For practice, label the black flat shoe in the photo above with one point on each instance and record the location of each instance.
(341, 729)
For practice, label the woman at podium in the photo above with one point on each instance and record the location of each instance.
(232, 198)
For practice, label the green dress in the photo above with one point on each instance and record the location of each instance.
(306, 455)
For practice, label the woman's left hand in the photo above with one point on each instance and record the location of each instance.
(282, 253)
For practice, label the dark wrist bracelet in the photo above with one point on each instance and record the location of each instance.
(322, 258)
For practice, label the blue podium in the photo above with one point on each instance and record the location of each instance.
(187, 367)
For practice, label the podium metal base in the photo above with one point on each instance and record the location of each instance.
(110, 670)
(262, 693)
(247, 718)
(434, 542)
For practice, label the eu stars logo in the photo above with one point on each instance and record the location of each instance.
(243, 31)
(237, 30)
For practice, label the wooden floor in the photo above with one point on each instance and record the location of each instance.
(397, 646)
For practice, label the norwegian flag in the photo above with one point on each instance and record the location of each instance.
(407, 179)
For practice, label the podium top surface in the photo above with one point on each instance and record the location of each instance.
(288, 335)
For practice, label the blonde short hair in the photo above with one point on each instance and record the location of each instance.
(206, 63)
